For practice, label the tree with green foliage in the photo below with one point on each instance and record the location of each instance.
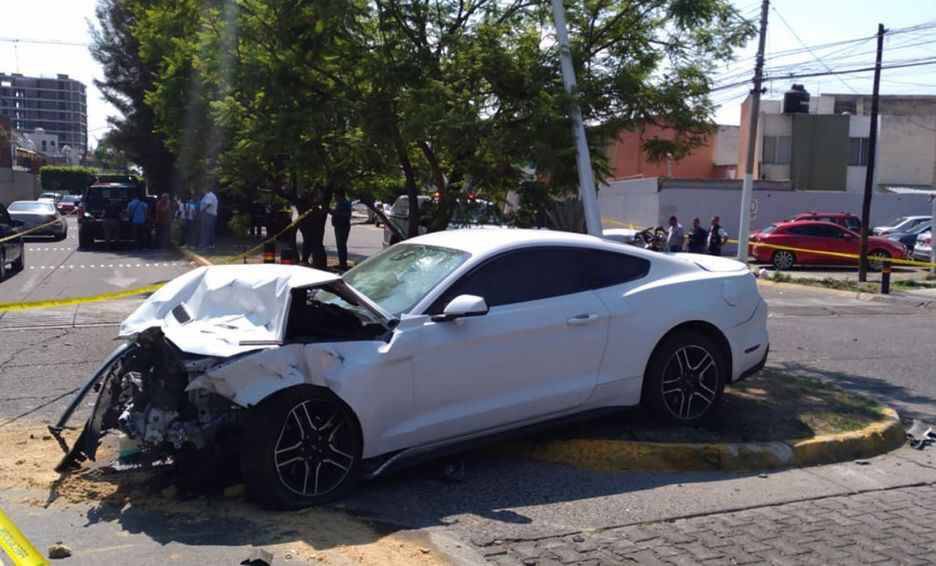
(109, 157)
(69, 179)
(127, 78)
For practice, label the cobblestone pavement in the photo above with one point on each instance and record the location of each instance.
(881, 527)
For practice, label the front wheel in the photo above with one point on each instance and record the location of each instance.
(876, 259)
(302, 447)
(686, 377)
(3, 268)
(20, 262)
(783, 260)
(85, 241)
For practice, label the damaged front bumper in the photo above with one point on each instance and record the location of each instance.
(143, 392)
(85, 447)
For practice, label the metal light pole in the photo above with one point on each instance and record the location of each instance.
(747, 185)
(587, 188)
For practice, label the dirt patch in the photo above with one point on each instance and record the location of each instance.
(318, 536)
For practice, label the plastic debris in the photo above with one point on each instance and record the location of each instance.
(259, 557)
(921, 435)
(59, 550)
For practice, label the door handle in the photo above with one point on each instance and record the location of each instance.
(582, 319)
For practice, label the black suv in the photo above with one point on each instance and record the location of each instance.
(107, 200)
(12, 249)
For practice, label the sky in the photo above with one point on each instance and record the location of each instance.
(65, 23)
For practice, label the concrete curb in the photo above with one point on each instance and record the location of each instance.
(609, 455)
(192, 256)
(909, 300)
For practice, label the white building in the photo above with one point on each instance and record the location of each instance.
(826, 148)
(43, 142)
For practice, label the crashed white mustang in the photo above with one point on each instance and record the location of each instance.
(314, 380)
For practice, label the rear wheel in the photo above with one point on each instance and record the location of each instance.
(85, 241)
(20, 261)
(686, 377)
(302, 447)
(783, 260)
(876, 259)
(3, 268)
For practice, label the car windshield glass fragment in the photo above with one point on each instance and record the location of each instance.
(40, 207)
(402, 275)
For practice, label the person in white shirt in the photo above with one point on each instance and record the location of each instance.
(208, 216)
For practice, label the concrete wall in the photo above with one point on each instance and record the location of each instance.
(17, 185)
(630, 202)
(726, 145)
(627, 158)
(907, 150)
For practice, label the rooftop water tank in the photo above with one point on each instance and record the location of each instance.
(796, 100)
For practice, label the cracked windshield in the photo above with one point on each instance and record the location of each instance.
(508, 282)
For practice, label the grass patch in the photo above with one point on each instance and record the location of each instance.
(772, 406)
(828, 283)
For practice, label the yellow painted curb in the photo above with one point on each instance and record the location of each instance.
(610, 455)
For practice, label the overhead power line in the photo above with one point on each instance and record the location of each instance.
(775, 77)
(42, 41)
(808, 48)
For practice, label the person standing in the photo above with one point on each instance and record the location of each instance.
(697, 237)
(716, 237)
(163, 220)
(341, 222)
(674, 235)
(207, 218)
(137, 210)
(191, 220)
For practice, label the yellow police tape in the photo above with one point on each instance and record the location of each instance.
(27, 232)
(67, 301)
(896, 261)
(112, 296)
(17, 546)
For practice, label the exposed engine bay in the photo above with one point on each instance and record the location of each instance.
(143, 395)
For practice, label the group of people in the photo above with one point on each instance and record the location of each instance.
(698, 240)
(198, 215)
(151, 222)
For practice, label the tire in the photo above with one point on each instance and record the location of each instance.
(783, 260)
(279, 465)
(3, 268)
(680, 396)
(85, 241)
(61, 236)
(877, 265)
(20, 262)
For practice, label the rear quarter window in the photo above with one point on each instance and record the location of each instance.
(606, 268)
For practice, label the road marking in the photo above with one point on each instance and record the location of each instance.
(112, 265)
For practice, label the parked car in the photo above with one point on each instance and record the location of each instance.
(900, 224)
(924, 246)
(34, 213)
(68, 204)
(399, 218)
(314, 379)
(845, 219)
(819, 236)
(96, 201)
(12, 249)
(50, 197)
(621, 235)
(909, 237)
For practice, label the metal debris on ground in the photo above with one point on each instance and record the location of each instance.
(59, 550)
(259, 557)
(921, 435)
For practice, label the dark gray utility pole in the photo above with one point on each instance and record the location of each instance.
(872, 152)
(747, 185)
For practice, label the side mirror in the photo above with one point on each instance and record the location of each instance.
(462, 306)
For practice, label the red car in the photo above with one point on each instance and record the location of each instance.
(68, 204)
(820, 236)
(845, 219)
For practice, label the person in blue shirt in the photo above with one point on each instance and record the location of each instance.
(137, 211)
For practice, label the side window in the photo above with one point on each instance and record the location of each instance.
(853, 223)
(828, 232)
(605, 269)
(521, 276)
(802, 230)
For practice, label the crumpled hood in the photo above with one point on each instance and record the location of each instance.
(227, 309)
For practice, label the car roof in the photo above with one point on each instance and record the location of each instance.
(493, 240)
(831, 214)
(29, 202)
(808, 223)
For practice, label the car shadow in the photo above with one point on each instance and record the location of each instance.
(500, 485)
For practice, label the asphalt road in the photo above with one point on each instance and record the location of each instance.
(59, 269)
(884, 349)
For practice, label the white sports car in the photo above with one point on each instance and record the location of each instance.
(433, 343)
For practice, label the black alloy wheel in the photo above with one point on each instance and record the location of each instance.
(686, 377)
(302, 448)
